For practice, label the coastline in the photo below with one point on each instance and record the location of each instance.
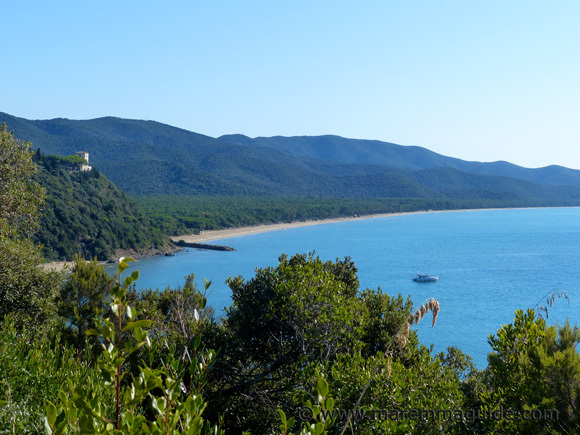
(226, 233)
(66, 266)
(213, 235)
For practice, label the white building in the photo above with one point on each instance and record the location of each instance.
(85, 156)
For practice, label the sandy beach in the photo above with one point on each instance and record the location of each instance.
(212, 235)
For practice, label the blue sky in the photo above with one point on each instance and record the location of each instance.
(478, 80)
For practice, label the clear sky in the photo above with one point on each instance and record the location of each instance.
(478, 80)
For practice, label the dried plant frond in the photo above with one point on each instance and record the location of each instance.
(435, 305)
(552, 295)
(389, 361)
(432, 306)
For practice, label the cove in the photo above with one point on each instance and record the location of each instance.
(489, 263)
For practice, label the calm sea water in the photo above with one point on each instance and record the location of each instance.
(489, 264)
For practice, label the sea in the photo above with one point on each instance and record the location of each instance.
(489, 263)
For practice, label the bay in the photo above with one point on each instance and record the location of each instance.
(489, 262)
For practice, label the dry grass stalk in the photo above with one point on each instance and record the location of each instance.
(552, 295)
(431, 307)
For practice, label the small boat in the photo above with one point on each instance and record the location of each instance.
(422, 277)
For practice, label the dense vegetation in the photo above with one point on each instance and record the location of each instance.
(187, 182)
(23, 287)
(177, 215)
(85, 213)
(149, 158)
(302, 349)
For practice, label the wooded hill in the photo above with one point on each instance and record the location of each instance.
(85, 213)
(150, 158)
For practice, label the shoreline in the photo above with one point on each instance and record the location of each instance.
(226, 233)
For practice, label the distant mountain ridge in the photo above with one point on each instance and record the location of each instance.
(150, 158)
(339, 149)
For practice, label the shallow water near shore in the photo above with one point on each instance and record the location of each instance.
(489, 263)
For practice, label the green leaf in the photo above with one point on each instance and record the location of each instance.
(190, 405)
(282, 417)
(107, 332)
(329, 403)
(86, 424)
(50, 413)
(72, 412)
(137, 324)
(61, 428)
(123, 264)
(139, 334)
(135, 275)
(322, 387)
(319, 428)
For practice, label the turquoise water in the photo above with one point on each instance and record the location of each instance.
(489, 264)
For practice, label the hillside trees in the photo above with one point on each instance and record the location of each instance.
(86, 214)
(533, 367)
(177, 215)
(25, 290)
(309, 316)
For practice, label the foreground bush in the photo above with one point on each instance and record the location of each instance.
(157, 401)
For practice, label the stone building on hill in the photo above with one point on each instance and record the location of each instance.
(84, 155)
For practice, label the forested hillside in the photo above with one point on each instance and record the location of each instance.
(150, 158)
(374, 152)
(188, 182)
(85, 213)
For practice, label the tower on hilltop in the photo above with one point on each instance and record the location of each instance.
(85, 156)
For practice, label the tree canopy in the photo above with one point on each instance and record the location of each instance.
(25, 290)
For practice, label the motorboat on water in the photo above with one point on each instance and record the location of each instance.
(423, 277)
